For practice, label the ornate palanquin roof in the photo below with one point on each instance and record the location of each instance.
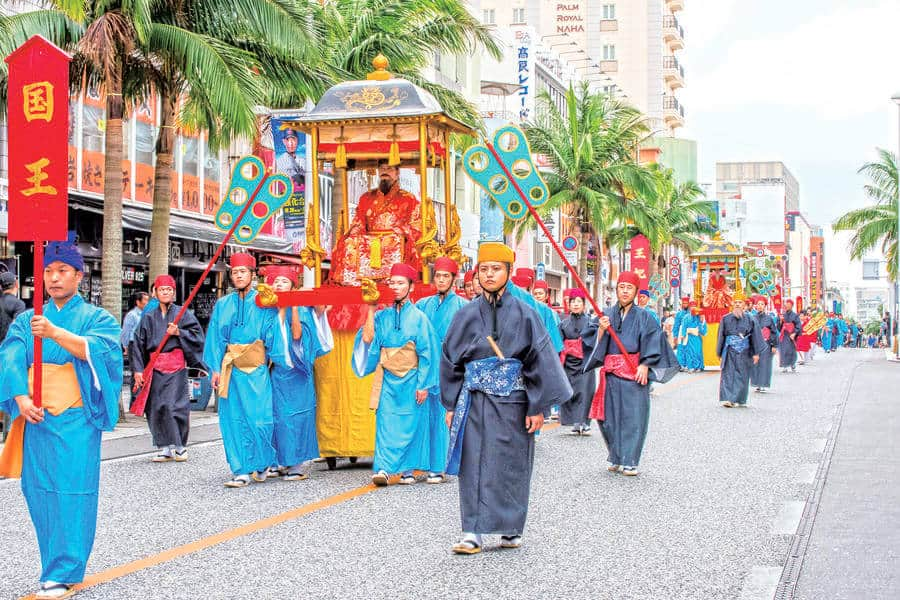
(717, 248)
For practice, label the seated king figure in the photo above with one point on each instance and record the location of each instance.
(384, 232)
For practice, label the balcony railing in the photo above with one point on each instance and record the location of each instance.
(673, 31)
(670, 62)
(671, 103)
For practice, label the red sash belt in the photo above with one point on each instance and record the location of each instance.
(615, 364)
(786, 330)
(168, 363)
(571, 348)
(767, 333)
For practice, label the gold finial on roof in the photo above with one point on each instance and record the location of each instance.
(380, 73)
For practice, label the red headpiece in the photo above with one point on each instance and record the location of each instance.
(629, 277)
(686, 299)
(469, 276)
(404, 270)
(164, 281)
(577, 293)
(446, 264)
(292, 272)
(525, 272)
(540, 284)
(242, 259)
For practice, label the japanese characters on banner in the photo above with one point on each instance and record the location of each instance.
(640, 259)
(38, 115)
(525, 71)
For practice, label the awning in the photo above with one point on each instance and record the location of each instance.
(190, 228)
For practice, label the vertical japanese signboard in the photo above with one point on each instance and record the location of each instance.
(640, 259)
(38, 114)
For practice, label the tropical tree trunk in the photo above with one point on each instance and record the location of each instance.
(111, 282)
(162, 189)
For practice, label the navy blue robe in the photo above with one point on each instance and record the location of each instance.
(734, 384)
(761, 373)
(584, 384)
(787, 349)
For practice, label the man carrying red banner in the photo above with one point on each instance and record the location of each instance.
(574, 328)
(761, 372)
(399, 345)
(440, 310)
(622, 402)
(55, 448)
(499, 372)
(241, 342)
(309, 336)
(168, 407)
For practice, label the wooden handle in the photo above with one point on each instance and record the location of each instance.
(495, 348)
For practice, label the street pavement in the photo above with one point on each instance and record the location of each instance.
(713, 514)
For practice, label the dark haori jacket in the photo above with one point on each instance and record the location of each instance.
(765, 321)
(639, 333)
(150, 333)
(576, 327)
(744, 327)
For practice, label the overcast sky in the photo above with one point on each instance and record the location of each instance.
(801, 81)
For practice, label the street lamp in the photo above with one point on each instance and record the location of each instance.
(896, 99)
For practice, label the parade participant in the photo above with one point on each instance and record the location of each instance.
(787, 345)
(399, 345)
(547, 315)
(690, 348)
(805, 341)
(386, 223)
(838, 339)
(541, 291)
(241, 342)
(573, 329)
(643, 301)
(469, 284)
(739, 346)
(440, 310)
(622, 402)
(499, 372)
(168, 407)
(309, 336)
(10, 304)
(55, 448)
(854, 335)
(761, 371)
(685, 311)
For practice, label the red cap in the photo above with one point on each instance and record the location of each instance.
(446, 264)
(629, 277)
(567, 293)
(525, 272)
(522, 282)
(540, 284)
(292, 272)
(242, 259)
(164, 281)
(404, 270)
(577, 293)
(686, 299)
(469, 276)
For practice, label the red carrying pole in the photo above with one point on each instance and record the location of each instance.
(38, 301)
(559, 251)
(137, 408)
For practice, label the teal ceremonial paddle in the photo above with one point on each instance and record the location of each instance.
(486, 165)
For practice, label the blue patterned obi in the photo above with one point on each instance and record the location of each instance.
(489, 375)
(738, 342)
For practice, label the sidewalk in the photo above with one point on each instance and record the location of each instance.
(854, 549)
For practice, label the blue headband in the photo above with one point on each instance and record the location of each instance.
(64, 252)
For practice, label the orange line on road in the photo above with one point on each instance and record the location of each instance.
(214, 540)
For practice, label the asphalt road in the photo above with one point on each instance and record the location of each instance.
(712, 515)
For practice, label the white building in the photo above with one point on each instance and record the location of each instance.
(862, 284)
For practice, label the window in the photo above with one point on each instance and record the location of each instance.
(609, 52)
(437, 61)
(870, 269)
(489, 16)
(518, 16)
(609, 12)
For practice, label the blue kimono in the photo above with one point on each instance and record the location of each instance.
(246, 415)
(61, 462)
(826, 335)
(690, 350)
(676, 327)
(548, 316)
(402, 426)
(787, 347)
(739, 341)
(440, 313)
(294, 389)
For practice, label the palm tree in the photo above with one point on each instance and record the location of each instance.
(876, 224)
(594, 175)
(100, 35)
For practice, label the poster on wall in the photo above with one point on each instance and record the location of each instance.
(290, 159)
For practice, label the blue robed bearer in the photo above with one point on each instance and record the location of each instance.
(499, 372)
(56, 448)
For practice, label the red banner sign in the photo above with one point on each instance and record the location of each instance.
(38, 114)
(640, 259)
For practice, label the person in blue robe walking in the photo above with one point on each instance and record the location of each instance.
(738, 346)
(55, 448)
(241, 342)
(574, 329)
(790, 328)
(309, 336)
(690, 346)
(399, 345)
(440, 310)
(761, 372)
(683, 313)
(499, 372)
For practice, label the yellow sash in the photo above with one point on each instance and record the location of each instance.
(399, 362)
(246, 357)
(60, 393)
